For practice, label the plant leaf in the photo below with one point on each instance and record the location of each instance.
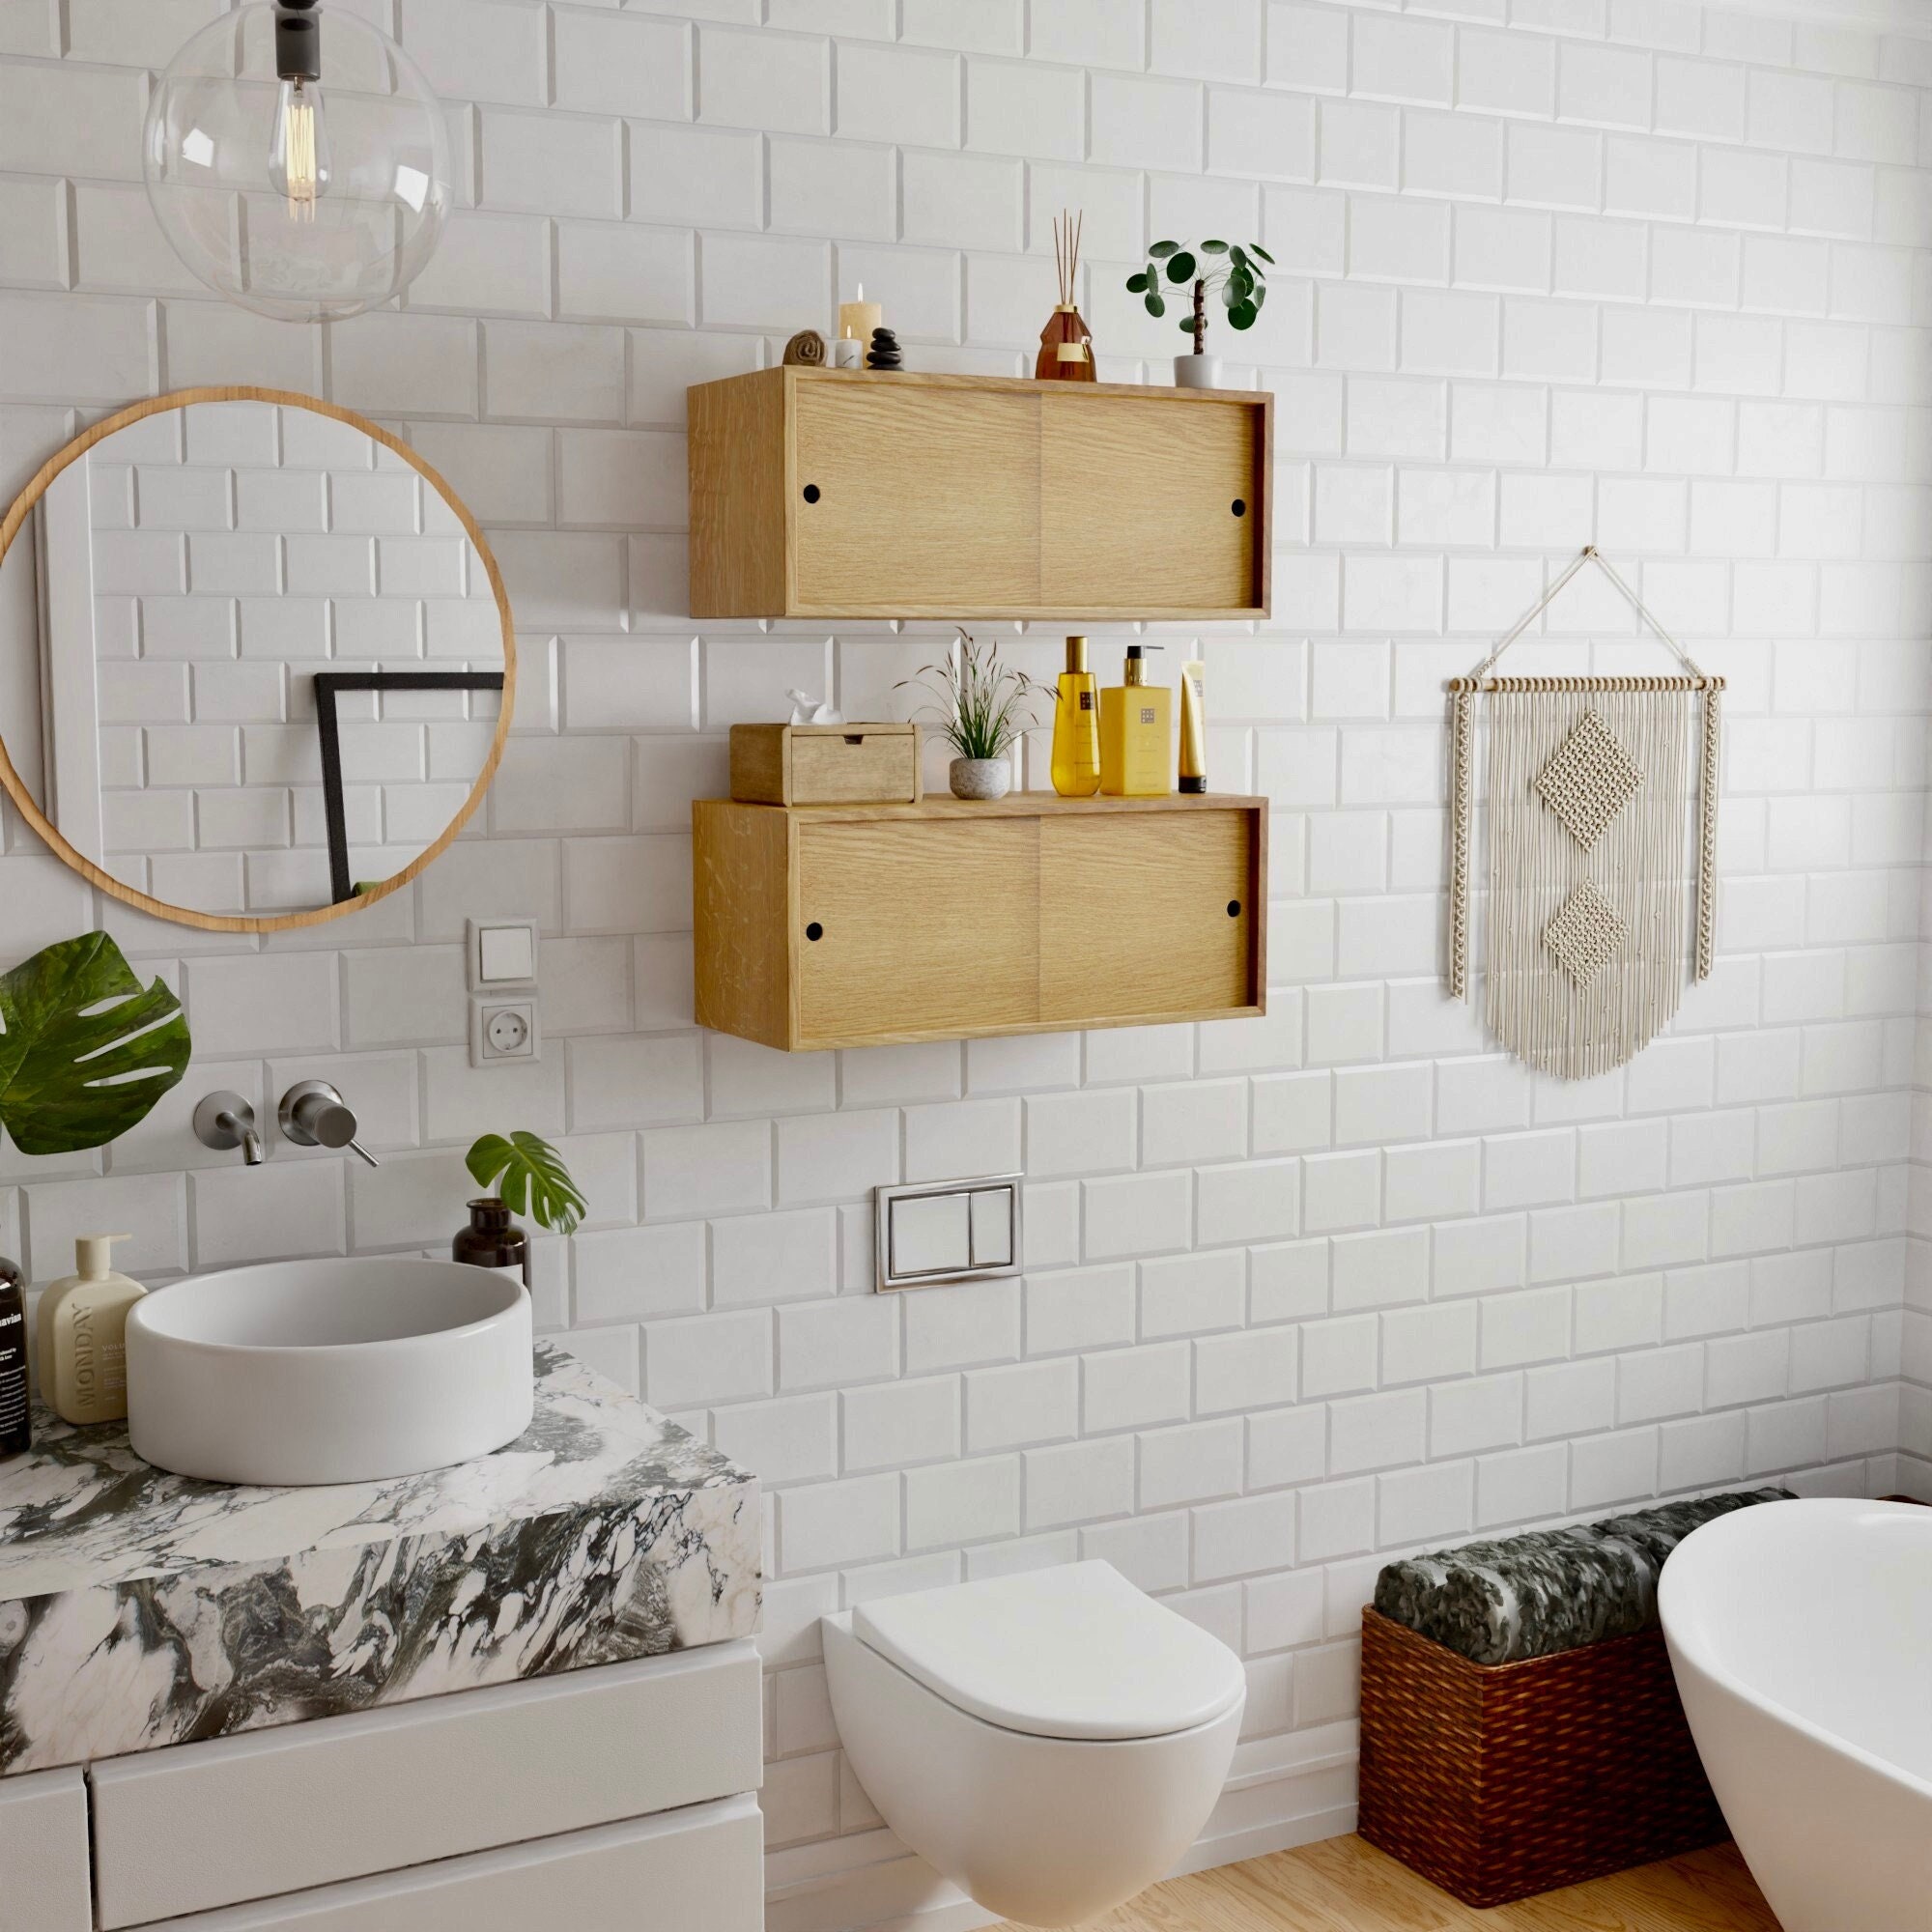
(1161, 251)
(1213, 247)
(1241, 315)
(1254, 247)
(86, 1049)
(1137, 284)
(1154, 304)
(1187, 324)
(1180, 268)
(529, 1178)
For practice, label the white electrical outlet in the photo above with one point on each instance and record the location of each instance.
(502, 1030)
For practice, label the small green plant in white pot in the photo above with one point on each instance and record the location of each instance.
(982, 708)
(1236, 274)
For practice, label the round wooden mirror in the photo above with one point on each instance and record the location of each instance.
(256, 659)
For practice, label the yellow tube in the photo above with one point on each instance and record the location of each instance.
(1193, 726)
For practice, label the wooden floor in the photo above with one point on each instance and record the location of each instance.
(1343, 1884)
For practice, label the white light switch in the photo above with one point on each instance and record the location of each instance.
(502, 952)
(507, 952)
(948, 1231)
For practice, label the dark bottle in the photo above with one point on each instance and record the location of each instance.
(493, 1240)
(17, 1430)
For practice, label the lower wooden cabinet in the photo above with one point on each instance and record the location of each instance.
(868, 925)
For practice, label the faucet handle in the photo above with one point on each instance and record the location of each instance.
(313, 1114)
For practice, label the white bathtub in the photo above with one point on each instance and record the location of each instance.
(1801, 1637)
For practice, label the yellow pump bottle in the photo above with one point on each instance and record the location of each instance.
(1137, 732)
(1076, 728)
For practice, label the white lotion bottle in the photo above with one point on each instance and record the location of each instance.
(83, 1335)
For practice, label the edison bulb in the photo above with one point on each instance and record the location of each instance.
(298, 147)
(295, 208)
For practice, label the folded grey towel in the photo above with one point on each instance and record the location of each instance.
(1550, 1590)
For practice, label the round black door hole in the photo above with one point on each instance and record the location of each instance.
(814, 930)
(1240, 506)
(812, 492)
(1234, 908)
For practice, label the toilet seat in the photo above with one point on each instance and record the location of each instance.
(1074, 1653)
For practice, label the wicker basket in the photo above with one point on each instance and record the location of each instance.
(1502, 1780)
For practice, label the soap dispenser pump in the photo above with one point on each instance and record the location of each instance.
(83, 1335)
(1137, 732)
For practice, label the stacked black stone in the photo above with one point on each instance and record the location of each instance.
(885, 351)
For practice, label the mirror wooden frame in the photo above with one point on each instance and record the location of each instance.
(180, 399)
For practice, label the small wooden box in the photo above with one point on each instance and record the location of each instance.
(1499, 1781)
(825, 764)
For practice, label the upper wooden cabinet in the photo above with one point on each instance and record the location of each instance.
(820, 493)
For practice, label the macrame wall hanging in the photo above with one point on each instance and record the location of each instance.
(1599, 821)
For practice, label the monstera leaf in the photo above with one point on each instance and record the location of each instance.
(529, 1178)
(86, 1049)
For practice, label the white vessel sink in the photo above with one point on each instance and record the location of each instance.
(328, 1372)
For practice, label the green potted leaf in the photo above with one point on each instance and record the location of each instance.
(980, 706)
(1237, 273)
(521, 1175)
(85, 1049)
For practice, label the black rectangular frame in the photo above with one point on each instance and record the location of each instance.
(329, 685)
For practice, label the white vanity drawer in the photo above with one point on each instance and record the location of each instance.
(44, 1882)
(700, 1870)
(208, 1825)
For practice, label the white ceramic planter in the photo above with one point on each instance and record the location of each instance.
(982, 778)
(1197, 372)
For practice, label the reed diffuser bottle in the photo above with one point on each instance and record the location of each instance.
(1076, 728)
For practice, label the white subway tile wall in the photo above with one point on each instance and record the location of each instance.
(1303, 1291)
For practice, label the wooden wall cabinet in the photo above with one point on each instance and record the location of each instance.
(820, 493)
(871, 926)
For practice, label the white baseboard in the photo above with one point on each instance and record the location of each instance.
(1283, 1792)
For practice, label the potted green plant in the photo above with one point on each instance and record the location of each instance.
(521, 1175)
(1240, 276)
(980, 706)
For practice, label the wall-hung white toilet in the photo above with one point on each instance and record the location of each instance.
(1051, 1741)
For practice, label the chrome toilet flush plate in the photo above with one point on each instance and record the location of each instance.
(939, 1231)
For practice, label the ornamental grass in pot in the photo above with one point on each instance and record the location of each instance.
(982, 708)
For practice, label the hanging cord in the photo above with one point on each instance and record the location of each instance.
(1589, 553)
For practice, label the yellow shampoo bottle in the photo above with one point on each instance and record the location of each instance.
(1137, 733)
(1076, 728)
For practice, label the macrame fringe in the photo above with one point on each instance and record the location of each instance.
(1587, 901)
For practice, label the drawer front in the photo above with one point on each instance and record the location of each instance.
(698, 1870)
(926, 501)
(1138, 504)
(1147, 913)
(208, 1825)
(923, 928)
(855, 769)
(43, 1881)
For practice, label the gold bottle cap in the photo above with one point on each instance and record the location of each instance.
(1076, 654)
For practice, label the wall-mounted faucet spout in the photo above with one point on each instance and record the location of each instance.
(224, 1120)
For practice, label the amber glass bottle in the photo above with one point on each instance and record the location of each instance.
(493, 1240)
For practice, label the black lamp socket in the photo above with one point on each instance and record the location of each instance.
(298, 40)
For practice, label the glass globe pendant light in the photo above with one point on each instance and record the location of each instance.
(301, 174)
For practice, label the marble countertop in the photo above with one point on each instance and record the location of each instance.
(139, 1608)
